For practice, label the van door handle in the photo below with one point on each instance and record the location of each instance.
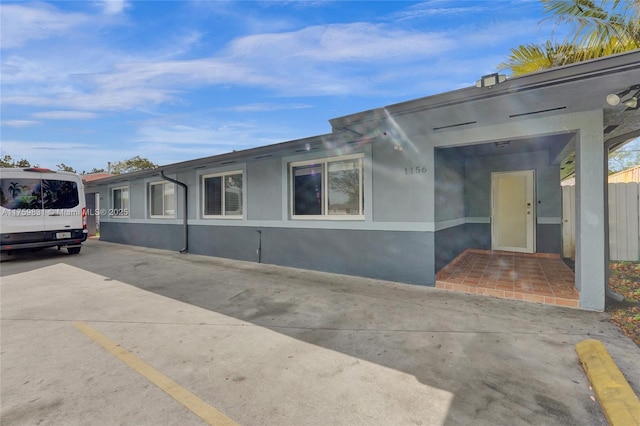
(54, 214)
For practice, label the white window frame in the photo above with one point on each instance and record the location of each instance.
(149, 200)
(325, 186)
(114, 211)
(223, 214)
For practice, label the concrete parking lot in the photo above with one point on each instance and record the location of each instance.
(198, 339)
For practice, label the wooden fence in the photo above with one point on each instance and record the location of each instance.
(624, 221)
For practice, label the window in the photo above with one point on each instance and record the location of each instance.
(59, 194)
(161, 200)
(330, 187)
(39, 194)
(119, 202)
(21, 193)
(222, 195)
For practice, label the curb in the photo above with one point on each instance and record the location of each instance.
(619, 403)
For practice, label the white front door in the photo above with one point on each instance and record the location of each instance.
(513, 211)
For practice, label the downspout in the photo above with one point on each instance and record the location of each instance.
(608, 292)
(185, 226)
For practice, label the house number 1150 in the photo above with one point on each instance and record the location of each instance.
(415, 170)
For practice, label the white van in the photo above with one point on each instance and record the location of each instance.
(41, 208)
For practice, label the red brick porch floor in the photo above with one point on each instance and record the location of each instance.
(537, 277)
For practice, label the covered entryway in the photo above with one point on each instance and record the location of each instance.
(524, 123)
(509, 244)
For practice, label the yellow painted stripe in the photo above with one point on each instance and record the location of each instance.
(208, 413)
(619, 403)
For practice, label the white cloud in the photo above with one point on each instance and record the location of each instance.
(65, 115)
(18, 123)
(117, 100)
(175, 143)
(113, 7)
(80, 156)
(289, 62)
(262, 107)
(315, 60)
(22, 23)
(433, 8)
(229, 134)
(354, 42)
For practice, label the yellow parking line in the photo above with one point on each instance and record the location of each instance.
(208, 413)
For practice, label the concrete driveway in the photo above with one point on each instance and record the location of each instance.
(264, 345)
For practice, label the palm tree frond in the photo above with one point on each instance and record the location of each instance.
(597, 28)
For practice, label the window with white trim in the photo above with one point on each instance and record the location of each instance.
(222, 195)
(328, 188)
(162, 200)
(119, 202)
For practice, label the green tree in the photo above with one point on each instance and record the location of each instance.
(65, 168)
(8, 161)
(133, 164)
(95, 170)
(625, 157)
(597, 29)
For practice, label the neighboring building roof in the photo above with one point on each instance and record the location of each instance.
(90, 177)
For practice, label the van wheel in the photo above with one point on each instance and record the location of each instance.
(73, 250)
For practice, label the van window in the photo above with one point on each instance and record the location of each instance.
(16, 193)
(59, 194)
(36, 194)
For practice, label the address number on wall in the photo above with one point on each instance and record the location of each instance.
(418, 170)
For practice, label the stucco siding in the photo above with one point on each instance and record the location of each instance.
(389, 255)
(549, 238)
(478, 180)
(451, 242)
(161, 236)
(264, 190)
(402, 183)
(449, 185)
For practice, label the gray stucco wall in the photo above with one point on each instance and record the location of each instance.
(478, 182)
(449, 185)
(189, 178)
(402, 181)
(451, 242)
(549, 238)
(264, 190)
(168, 237)
(397, 256)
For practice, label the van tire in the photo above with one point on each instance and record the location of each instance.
(73, 250)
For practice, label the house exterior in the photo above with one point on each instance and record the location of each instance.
(397, 192)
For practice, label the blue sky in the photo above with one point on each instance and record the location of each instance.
(88, 82)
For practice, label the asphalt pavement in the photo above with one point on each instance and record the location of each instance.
(123, 335)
